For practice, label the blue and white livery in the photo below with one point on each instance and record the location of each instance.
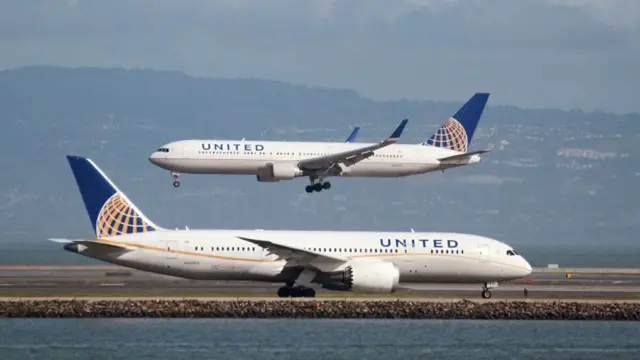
(364, 261)
(272, 161)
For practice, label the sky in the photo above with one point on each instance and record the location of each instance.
(530, 53)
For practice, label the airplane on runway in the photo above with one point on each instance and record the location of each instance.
(360, 261)
(273, 161)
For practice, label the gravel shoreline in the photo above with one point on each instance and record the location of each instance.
(513, 310)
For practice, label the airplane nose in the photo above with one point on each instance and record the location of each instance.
(156, 157)
(527, 270)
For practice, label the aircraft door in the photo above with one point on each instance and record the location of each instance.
(483, 249)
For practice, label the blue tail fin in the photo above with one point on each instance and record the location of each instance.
(110, 211)
(456, 133)
(353, 135)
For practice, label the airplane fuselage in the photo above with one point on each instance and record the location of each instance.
(221, 255)
(251, 157)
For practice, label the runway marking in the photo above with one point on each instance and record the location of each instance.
(107, 284)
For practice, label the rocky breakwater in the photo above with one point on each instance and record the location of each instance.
(525, 310)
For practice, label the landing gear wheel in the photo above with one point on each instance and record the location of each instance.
(326, 185)
(176, 179)
(308, 189)
(317, 187)
(308, 292)
(284, 292)
(296, 292)
(486, 294)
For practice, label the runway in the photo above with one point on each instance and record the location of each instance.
(109, 281)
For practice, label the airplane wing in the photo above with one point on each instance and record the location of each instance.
(464, 155)
(352, 156)
(287, 252)
(353, 135)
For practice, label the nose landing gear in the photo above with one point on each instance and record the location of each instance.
(486, 289)
(176, 179)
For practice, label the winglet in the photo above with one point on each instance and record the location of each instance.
(352, 136)
(398, 131)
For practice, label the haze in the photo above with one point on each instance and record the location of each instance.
(530, 53)
(557, 176)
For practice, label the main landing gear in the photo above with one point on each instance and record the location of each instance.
(296, 291)
(176, 179)
(486, 289)
(317, 185)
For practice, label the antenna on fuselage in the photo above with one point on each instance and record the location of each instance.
(412, 230)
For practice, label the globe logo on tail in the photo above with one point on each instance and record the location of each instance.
(117, 217)
(451, 135)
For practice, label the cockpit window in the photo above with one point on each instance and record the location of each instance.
(510, 253)
(163, 150)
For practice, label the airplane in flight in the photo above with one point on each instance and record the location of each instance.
(273, 161)
(352, 137)
(359, 261)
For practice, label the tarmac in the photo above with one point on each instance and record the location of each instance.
(112, 282)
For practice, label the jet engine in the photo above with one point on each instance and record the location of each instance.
(376, 276)
(274, 172)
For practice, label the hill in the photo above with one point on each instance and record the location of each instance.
(554, 177)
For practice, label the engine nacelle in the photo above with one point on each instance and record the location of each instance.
(278, 171)
(376, 276)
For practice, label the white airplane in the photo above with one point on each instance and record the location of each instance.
(272, 161)
(336, 260)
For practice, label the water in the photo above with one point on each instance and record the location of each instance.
(161, 339)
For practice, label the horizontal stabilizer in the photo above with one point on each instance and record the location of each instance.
(63, 241)
(77, 244)
(463, 156)
(105, 246)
